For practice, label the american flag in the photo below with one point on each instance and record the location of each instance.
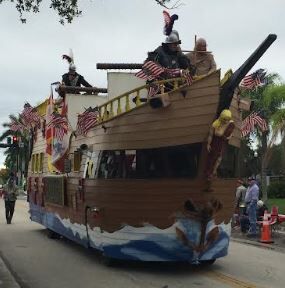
(17, 126)
(186, 74)
(256, 79)
(153, 89)
(30, 115)
(176, 72)
(87, 120)
(60, 125)
(251, 121)
(150, 71)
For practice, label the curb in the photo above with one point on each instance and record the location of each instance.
(258, 244)
(6, 278)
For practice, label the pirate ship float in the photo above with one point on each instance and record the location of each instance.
(134, 185)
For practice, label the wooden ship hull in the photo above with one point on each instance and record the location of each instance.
(144, 218)
(137, 187)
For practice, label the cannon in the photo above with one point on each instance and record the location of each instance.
(117, 66)
(228, 88)
(71, 89)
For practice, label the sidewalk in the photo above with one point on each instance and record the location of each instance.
(278, 238)
(6, 278)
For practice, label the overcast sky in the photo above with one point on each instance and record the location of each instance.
(122, 31)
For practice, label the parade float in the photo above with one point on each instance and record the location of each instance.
(141, 180)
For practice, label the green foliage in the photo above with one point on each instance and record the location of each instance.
(276, 190)
(67, 10)
(4, 174)
(13, 154)
(280, 203)
(277, 162)
(248, 163)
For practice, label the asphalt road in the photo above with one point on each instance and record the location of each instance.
(39, 262)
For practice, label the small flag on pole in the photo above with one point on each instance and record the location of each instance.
(153, 89)
(251, 121)
(87, 120)
(150, 71)
(256, 79)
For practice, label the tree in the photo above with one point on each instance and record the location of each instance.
(269, 100)
(4, 174)
(67, 10)
(276, 164)
(16, 157)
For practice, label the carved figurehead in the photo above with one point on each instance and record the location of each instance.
(220, 133)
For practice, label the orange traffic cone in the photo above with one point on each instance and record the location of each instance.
(266, 231)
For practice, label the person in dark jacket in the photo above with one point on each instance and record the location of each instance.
(169, 54)
(72, 78)
(10, 197)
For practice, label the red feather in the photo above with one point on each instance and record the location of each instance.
(168, 22)
(166, 17)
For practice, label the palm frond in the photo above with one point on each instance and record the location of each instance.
(278, 120)
(6, 134)
(274, 97)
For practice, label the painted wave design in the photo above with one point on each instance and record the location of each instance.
(147, 243)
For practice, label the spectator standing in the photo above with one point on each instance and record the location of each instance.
(10, 197)
(239, 199)
(240, 194)
(251, 198)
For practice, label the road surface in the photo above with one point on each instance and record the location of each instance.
(39, 262)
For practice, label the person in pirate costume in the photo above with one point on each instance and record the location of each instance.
(72, 78)
(169, 58)
(169, 54)
(202, 59)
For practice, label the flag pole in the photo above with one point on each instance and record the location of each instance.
(195, 52)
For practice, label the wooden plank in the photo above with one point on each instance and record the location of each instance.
(151, 134)
(156, 115)
(235, 142)
(201, 93)
(162, 142)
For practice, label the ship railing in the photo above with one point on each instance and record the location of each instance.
(134, 99)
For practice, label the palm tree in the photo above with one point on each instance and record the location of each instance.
(16, 157)
(269, 100)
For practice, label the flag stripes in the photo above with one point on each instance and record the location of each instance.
(189, 79)
(30, 115)
(256, 79)
(17, 126)
(153, 90)
(60, 125)
(251, 121)
(87, 120)
(150, 71)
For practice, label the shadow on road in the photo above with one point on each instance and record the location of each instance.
(161, 268)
